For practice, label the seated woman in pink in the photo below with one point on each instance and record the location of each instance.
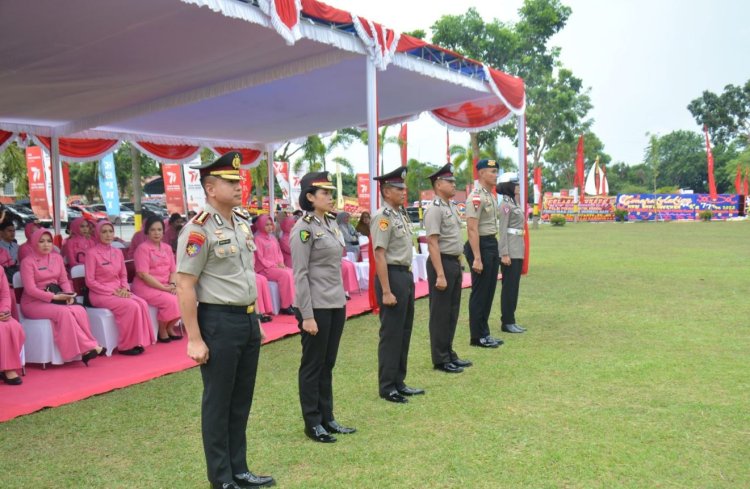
(269, 262)
(74, 249)
(155, 279)
(286, 227)
(70, 324)
(349, 277)
(11, 337)
(107, 281)
(25, 249)
(264, 301)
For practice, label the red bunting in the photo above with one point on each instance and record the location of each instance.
(710, 158)
(81, 149)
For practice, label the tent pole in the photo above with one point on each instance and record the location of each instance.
(372, 132)
(56, 185)
(271, 185)
(135, 163)
(523, 173)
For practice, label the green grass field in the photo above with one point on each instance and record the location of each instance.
(634, 373)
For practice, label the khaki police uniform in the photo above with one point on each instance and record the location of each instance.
(482, 205)
(512, 220)
(317, 246)
(391, 230)
(219, 252)
(441, 218)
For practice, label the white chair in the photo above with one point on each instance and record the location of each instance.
(118, 244)
(23, 360)
(39, 346)
(423, 249)
(102, 321)
(273, 287)
(419, 263)
(363, 274)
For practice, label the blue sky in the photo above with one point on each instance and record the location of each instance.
(644, 61)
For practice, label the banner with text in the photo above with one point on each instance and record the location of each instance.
(108, 185)
(172, 174)
(592, 209)
(196, 198)
(35, 168)
(671, 207)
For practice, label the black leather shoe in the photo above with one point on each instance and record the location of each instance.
(287, 311)
(88, 356)
(519, 327)
(159, 339)
(319, 434)
(334, 427)
(462, 363)
(265, 318)
(248, 479)
(410, 391)
(486, 342)
(103, 352)
(449, 367)
(225, 485)
(394, 396)
(510, 328)
(175, 337)
(133, 351)
(9, 381)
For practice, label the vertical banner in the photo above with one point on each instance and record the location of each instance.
(294, 186)
(710, 158)
(404, 142)
(196, 198)
(108, 185)
(281, 174)
(363, 190)
(172, 174)
(580, 175)
(537, 190)
(246, 183)
(339, 189)
(37, 182)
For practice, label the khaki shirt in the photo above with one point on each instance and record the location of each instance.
(511, 217)
(442, 218)
(317, 247)
(390, 229)
(220, 254)
(481, 205)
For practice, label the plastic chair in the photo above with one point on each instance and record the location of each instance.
(102, 321)
(275, 297)
(39, 346)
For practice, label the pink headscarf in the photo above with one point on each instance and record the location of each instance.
(36, 237)
(75, 227)
(260, 226)
(29, 229)
(287, 224)
(99, 226)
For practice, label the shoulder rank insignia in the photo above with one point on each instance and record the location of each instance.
(304, 235)
(201, 218)
(307, 219)
(218, 220)
(241, 212)
(436, 202)
(386, 212)
(331, 215)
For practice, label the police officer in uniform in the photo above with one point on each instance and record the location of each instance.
(444, 274)
(482, 254)
(511, 249)
(317, 245)
(217, 292)
(393, 245)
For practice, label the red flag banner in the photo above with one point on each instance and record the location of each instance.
(710, 158)
(580, 176)
(537, 190)
(363, 190)
(172, 175)
(37, 182)
(403, 141)
(246, 182)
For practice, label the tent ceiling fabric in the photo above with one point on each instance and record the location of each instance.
(170, 72)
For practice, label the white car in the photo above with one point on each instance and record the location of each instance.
(125, 217)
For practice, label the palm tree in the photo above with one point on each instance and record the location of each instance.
(13, 168)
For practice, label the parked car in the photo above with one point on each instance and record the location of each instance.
(89, 213)
(124, 217)
(21, 215)
(413, 213)
(147, 206)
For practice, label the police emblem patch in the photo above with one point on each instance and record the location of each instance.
(383, 224)
(304, 236)
(194, 243)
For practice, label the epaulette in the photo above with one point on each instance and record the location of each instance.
(386, 212)
(241, 212)
(201, 218)
(307, 218)
(437, 202)
(331, 215)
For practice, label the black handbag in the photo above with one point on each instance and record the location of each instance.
(56, 289)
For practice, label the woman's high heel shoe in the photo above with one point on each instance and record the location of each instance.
(88, 356)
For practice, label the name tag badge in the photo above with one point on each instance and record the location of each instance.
(224, 242)
(42, 268)
(105, 263)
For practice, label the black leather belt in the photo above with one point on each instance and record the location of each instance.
(488, 236)
(227, 308)
(449, 257)
(402, 268)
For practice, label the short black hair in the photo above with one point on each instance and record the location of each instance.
(305, 204)
(150, 222)
(174, 217)
(6, 224)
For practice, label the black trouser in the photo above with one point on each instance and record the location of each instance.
(316, 368)
(482, 285)
(233, 339)
(509, 294)
(395, 328)
(444, 308)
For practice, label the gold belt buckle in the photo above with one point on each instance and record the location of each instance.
(251, 308)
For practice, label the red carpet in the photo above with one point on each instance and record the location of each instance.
(63, 384)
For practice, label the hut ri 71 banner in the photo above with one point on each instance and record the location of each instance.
(172, 175)
(671, 207)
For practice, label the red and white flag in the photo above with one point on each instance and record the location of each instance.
(580, 175)
(710, 158)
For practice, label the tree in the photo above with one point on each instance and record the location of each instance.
(13, 169)
(560, 159)
(416, 178)
(727, 116)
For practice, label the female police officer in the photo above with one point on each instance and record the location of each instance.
(317, 245)
(511, 249)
